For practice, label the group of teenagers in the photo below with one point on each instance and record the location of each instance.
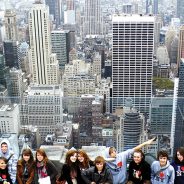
(79, 169)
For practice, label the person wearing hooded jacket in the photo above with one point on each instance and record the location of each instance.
(117, 162)
(6, 152)
(161, 171)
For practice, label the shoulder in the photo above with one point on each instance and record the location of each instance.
(146, 164)
(155, 163)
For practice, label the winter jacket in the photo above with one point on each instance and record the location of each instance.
(165, 176)
(92, 175)
(179, 173)
(12, 163)
(143, 170)
(51, 171)
(20, 172)
(65, 174)
(118, 166)
(4, 176)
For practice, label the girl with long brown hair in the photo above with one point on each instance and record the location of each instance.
(25, 168)
(44, 167)
(70, 172)
(84, 161)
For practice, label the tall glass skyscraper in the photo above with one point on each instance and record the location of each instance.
(132, 61)
(180, 10)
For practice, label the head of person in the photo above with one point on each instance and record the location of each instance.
(138, 156)
(27, 156)
(71, 157)
(3, 163)
(83, 158)
(162, 157)
(179, 155)
(41, 156)
(112, 152)
(99, 163)
(4, 147)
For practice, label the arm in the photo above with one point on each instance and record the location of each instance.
(52, 170)
(18, 174)
(109, 179)
(152, 173)
(66, 174)
(31, 175)
(143, 144)
(12, 168)
(147, 172)
(172, 177)
(130, 172)
(86, 175)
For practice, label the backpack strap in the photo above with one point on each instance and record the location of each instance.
(10, 157)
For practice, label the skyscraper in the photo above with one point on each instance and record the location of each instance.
(178, 124)
(152, 7)
(181, 45)
(10, 25)
(132, 62)
(45, 68)
(55, 9)
(93, 24)
(180, 10)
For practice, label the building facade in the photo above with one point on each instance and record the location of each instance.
(44, 64)
(132, 61)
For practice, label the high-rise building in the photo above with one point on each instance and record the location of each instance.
(11, 54)
(55, 9)
(132, 62)
(161, 115)
(3, 71)
(70, 4)
(180, 10)
(93, 24)
(180, 45)
(178, 121)
(152, 7)
(129, 136)
(10, 25)
(59, 46)
(42, 107)
(45, 68)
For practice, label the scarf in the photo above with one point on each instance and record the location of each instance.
(42, 172)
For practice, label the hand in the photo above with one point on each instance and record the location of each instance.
(150, 141)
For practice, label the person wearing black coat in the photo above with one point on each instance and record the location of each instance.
(44, 167)
(98, 174)
(139, 169)
(70, 172)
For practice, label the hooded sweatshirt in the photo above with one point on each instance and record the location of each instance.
(12, 163)
(165, 176)
(118, 166)
(179, 172)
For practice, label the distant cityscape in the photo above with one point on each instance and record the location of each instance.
(92, 74)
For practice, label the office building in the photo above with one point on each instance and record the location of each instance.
(180, 10)
(45, 68)
(10, 25)
(93, 24)
(4, 70)
(180, 45)
(132, 61)
(42, 107)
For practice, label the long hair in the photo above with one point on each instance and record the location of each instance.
(4, 159)
(181, 151)
(27, 152)
(68, 155)
(42, 153)
(85, 163)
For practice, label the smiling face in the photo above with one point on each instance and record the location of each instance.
(163, 161)
(26, 158)
(2, 164)
(80, 157)
(39, 157)
(137, 157)
(179, 156)
(73, 158)
(99, 166)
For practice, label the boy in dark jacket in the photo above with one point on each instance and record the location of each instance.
(139, 169)
(98, 174)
